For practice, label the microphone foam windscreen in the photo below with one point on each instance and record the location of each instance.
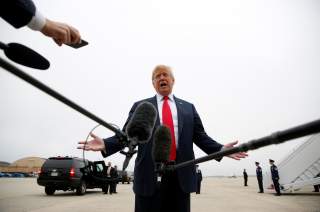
(26, 56)
(140, 127)
(161, 144)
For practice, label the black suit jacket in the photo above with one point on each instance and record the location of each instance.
(190, 131)
(18, 13)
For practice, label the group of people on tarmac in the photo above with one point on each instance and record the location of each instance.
(112, 179)
(274, 175)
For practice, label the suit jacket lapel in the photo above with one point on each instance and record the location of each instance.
(179, 106)
(155, 104)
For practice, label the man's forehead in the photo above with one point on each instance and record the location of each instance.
(161, 70)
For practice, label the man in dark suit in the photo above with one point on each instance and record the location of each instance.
(275, 177)
(259, 177)
(115, 177)
(109, 175)
(186, 129)
(20, 13)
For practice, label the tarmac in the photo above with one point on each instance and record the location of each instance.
(217, 194)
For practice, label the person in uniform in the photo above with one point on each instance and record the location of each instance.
(316, 187)
(275, 177)
(245, 177)
(259, 177)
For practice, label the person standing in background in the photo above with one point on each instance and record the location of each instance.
(275, 177)
(259, 177)
(114, 177)
(109, 174)
(245, 177)
(316, 187)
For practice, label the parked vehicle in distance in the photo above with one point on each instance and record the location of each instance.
(5, 174)
(16, 174)
(124, 177)
(71, 173)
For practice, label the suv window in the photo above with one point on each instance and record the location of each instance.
(52, 163)
(79, 164)
(99, 167)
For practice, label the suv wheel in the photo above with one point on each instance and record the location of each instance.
(49, 190)
(81, 190)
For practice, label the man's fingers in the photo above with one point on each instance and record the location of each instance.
(68, 34)
(233, 143)
(85, 147)
(58, 42)
(244, 154)
(74, 35)
(93, 135)
(238, 156)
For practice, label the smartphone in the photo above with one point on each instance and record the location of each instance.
(78, 45)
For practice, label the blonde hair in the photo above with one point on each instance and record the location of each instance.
(159, 67)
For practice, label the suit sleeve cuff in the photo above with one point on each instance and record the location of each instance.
(37, 22)
(104, 151)
(219, 159)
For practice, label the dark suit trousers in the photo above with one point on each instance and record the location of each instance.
(198, 186)
(168, 198)
(260, 184)
(276, 185)
(108, 185)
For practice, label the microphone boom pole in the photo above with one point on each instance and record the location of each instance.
(275, 138)
(31, 80)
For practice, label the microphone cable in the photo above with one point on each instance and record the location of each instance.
(84, 146)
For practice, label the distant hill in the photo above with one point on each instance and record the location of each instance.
(3, 163)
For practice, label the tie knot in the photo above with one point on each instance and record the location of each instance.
(165, 98)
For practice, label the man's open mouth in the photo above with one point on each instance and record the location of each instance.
(163, 84)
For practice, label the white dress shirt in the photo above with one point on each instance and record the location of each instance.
(37, 22)
(174, 113)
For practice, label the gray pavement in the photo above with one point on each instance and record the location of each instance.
(218, 194)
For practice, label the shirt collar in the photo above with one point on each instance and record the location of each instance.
(160, 97)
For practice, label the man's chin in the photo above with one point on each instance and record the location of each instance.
(164, 92)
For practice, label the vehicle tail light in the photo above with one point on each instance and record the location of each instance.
(72, 173)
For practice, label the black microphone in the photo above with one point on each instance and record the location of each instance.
(139, 129)
(140, 126)
(161, 150)
(24, 56)
(161, 144)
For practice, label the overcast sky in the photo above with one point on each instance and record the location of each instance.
(250, 68)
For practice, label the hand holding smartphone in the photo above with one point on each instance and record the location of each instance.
(78, 45)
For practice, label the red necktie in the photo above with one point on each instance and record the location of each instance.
(167, 121)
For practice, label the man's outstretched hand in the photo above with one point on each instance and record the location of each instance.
(96, 144)
(235, 156)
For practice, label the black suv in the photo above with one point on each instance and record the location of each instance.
(71, 173)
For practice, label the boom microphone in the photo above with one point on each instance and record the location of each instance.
(24, 56)
(140, 127)
(161, 145)
(161, 151)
